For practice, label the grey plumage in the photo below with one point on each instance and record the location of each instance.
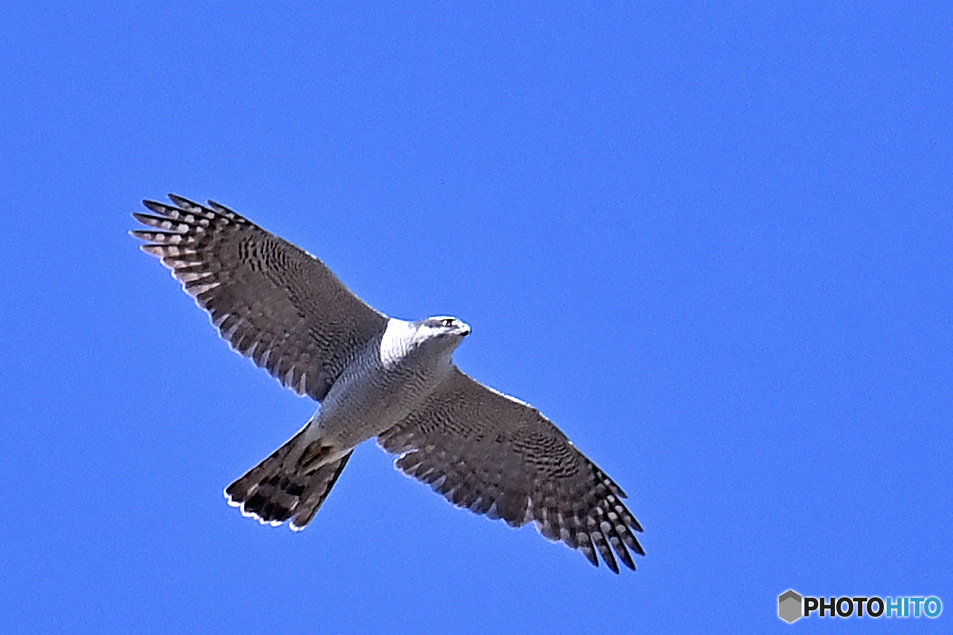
(260, 292)
(378, 376)
(494, 455)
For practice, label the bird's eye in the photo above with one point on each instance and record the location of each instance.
(448, 322)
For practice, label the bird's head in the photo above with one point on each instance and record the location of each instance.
(437, 336)
(442, 326)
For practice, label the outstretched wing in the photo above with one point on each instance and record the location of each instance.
(272, 301)
(495, 455)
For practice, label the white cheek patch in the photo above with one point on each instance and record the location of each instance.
(394, 342)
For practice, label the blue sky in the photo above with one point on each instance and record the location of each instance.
(712, 242)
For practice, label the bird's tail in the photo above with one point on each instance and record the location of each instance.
(291, 483)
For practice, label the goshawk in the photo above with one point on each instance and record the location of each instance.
(381, 377)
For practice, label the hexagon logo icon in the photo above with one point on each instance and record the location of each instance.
(789, 606)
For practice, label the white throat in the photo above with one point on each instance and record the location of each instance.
(395, 342)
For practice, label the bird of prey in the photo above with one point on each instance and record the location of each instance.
(377, 376)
